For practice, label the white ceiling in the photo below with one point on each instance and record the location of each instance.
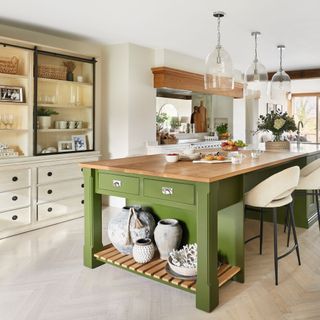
(186, 26)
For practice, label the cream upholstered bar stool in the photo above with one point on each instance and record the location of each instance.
(310, 182)
(273, 193)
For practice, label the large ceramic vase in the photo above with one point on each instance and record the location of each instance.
(129, 225)
(167, 235)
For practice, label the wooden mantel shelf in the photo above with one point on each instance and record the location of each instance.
(164, 77)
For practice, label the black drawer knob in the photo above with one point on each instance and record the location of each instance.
(82, 185)
(49, 191)
(49, 174)
(14, 179)
(82, 201)
(15, 217)
(14, 198)
(49, 209)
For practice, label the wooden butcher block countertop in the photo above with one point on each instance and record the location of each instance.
(156, 165)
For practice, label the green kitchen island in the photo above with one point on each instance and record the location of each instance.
(207, 199)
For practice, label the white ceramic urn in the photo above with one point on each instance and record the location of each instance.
(167, 235)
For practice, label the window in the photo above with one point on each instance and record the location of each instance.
(305, 108)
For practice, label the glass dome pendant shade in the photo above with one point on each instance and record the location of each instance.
(219, 69)
(256, 75)
(280, 85)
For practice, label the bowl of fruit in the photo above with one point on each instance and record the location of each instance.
(232, 145)
(172, 157)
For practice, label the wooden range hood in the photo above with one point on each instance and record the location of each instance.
(164, 77)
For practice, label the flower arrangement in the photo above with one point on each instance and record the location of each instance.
(276, 122)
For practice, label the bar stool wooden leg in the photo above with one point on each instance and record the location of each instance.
(294, 233)
(275, 243)
(261, 230)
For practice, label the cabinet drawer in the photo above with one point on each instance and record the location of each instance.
(61, 172)
(14, 179)
(58, 208)
(15, 218)
(172, 191)
(53, 191)
(14, 199)
(118, 183)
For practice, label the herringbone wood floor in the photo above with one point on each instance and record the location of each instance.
(42, 277)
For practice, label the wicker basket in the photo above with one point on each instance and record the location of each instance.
(9, 65)
(52, 72)
(277, 145)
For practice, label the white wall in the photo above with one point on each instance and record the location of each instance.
(306, 85)
(177, 60)
(129, 99)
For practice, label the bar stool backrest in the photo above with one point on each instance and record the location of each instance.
(276, 187)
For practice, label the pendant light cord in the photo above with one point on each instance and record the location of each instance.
(281, 60)
(219, 40)
(256, 48)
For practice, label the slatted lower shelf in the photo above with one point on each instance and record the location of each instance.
(156, 268)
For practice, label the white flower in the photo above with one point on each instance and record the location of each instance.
(279, 123)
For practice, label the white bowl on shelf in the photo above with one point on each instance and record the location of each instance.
(172, 157)
(183, 271)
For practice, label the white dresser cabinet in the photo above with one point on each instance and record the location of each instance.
(35, 192)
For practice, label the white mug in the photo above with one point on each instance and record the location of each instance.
(63, 124)
(71, 124)
(80, 78)
(78, 124)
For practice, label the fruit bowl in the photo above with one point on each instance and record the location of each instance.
(230, 148)
(172, 157)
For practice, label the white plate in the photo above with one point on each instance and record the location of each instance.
(191, 156)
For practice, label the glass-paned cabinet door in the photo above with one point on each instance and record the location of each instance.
(64, 108)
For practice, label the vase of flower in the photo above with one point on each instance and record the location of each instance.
(70, 65)
(277, 123)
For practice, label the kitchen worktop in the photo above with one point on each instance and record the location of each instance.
(156, 165)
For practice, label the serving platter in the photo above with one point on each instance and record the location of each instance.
(211, 161)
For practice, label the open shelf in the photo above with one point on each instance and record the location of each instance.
(63, 130)
(13, 76)
(65, 82)
(14, 130)
(155, 269)
(71, 106)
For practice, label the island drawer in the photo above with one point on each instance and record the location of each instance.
(14, 199)
(172, 191)
(60, 172)
(53, 191)
(15, 218)
(118, 183)
(14, 179)
(58, 208)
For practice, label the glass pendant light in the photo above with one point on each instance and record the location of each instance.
(256, 75)
(280, 85)
(219, 69)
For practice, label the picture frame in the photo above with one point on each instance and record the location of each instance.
(11, 94)
(66, 146)
(80, 142)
